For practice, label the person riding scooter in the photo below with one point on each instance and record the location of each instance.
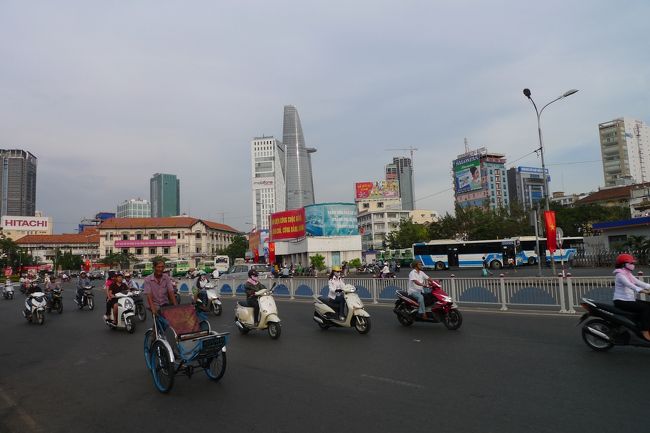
(417, 284)
(82, 282)
(335, 295)
(116, 287)
(253, 285)
(626, 287)
(198, 291)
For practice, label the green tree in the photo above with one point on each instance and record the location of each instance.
(237, 248)
(406, 235)
(317, 261)
(12, 255)
(578, 220)
(69, 261)
(122, 260)
(354, 263)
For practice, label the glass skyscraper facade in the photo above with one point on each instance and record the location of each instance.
(165, 190)
(299, 180)
(17, 182)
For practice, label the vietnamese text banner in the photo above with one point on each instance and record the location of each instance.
(288, 224)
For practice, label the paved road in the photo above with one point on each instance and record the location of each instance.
(524, 271)
(500, 372)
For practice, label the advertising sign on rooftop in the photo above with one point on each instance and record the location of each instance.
(331, 219)
(26, 223)
(289, 224)
(467, 174)
(383, 189)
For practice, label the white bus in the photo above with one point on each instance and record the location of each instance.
(571, 246)
(221, 263)
(446, 253)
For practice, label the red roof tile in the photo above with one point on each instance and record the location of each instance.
(88, 236)
(168, 222)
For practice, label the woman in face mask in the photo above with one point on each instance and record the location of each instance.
(252, 285)
(335, 294)
(626, 287)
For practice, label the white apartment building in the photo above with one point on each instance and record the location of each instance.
(374, 226)
(267, 179)
(134, 208)
(625, 149)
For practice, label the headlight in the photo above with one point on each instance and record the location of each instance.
(128, 304)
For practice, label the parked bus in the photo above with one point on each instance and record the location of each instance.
(402, 256)
(221, 264)
(443, 254)
(178, 268)
(206, 266)
(571, 246)
(143, 268)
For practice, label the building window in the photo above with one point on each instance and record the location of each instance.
(165, 250)
(366, 205)
(198, 250)
(125, 237)
(152, 251)
(198, 235)
(380, 204)
(178, 235)
(138, 236)
(165, 235)
(152, 236)
(125, 251)
(138, 251)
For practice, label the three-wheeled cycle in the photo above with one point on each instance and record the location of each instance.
(181, 341)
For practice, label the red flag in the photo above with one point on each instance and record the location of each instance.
(271, 252)
(256, 255)
(551, 233)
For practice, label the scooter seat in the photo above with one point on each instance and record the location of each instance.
(428, 297)
(243, 304)
(613, 309)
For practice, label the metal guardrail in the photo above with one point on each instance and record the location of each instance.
(561, 294)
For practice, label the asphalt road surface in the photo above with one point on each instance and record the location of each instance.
(522, 271)
(501, 372)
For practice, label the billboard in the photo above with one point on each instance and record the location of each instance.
(331, 219)
(26, 223)
(383, 189)
(467, 174)
(145, 243)
(289, 224)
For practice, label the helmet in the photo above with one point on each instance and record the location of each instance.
(127, 274)
(336, 269)
(252, 273)
(625, 258)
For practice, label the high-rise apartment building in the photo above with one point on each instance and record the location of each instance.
(165, 197)
(299, 180)
(134, 208)
(401, 170)
(268, 181)
(526, 186)
(17, 182)
(625, 149)
(480, 179)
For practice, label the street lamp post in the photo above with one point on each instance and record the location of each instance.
(527, 93)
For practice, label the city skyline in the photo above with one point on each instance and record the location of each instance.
(186, 102)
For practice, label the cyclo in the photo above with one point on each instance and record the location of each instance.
(180, 341)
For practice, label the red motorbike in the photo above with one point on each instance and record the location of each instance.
(439, 308)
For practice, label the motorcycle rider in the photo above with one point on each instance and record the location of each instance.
(385, 271)
(197, 290)
(117, 286)
(129, 281)
(418, 280)
(158, 287)
(626, 286)
(335, 294)
(252, 285)
(82, 282)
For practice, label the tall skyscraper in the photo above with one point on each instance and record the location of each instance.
(526, 186)
(17, 182)
(134, 208)
(165, 195)
(480, 179)
(269, 189)
(299, 180)
(625, 149)
(401, 169)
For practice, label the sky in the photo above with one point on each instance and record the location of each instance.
(106, 93)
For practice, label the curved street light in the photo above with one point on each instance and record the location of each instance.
(527, 94)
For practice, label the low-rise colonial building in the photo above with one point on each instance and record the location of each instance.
(172, 237)
(44, 247)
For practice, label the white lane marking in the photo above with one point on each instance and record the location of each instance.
(30, 423)
(393, 381)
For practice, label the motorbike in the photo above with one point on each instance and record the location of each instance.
(355, 315)
(87, 298)
(138, 300)
(606, 326)
(125, 313)
(35, 304)
(388, 275)
(214, 301)
(176, 293)
(56, 301)
(8, 290)
(439, 308)
(268, 319)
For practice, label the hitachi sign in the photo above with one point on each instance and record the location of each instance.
(25, 223)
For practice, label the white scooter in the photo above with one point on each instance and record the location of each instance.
(125, 313)
(214, 301)
(35, 304)
(355, 315)
(268, 314)
(8, 290)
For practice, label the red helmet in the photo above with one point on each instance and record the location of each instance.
(625, 258)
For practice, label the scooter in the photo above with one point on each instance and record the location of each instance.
(607, 326)
(176, 293)
(269, 318)
(35, 304)
(56, 302)
(87, 298)
(140, 310)
(8, 290)
(125, 315)
(214, 301)
(325, 316)
(440, 308)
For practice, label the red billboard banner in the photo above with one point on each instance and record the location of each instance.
(146, 243)
(289, 224)
(551, 230)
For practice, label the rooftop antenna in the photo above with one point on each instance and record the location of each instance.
(466, 145)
